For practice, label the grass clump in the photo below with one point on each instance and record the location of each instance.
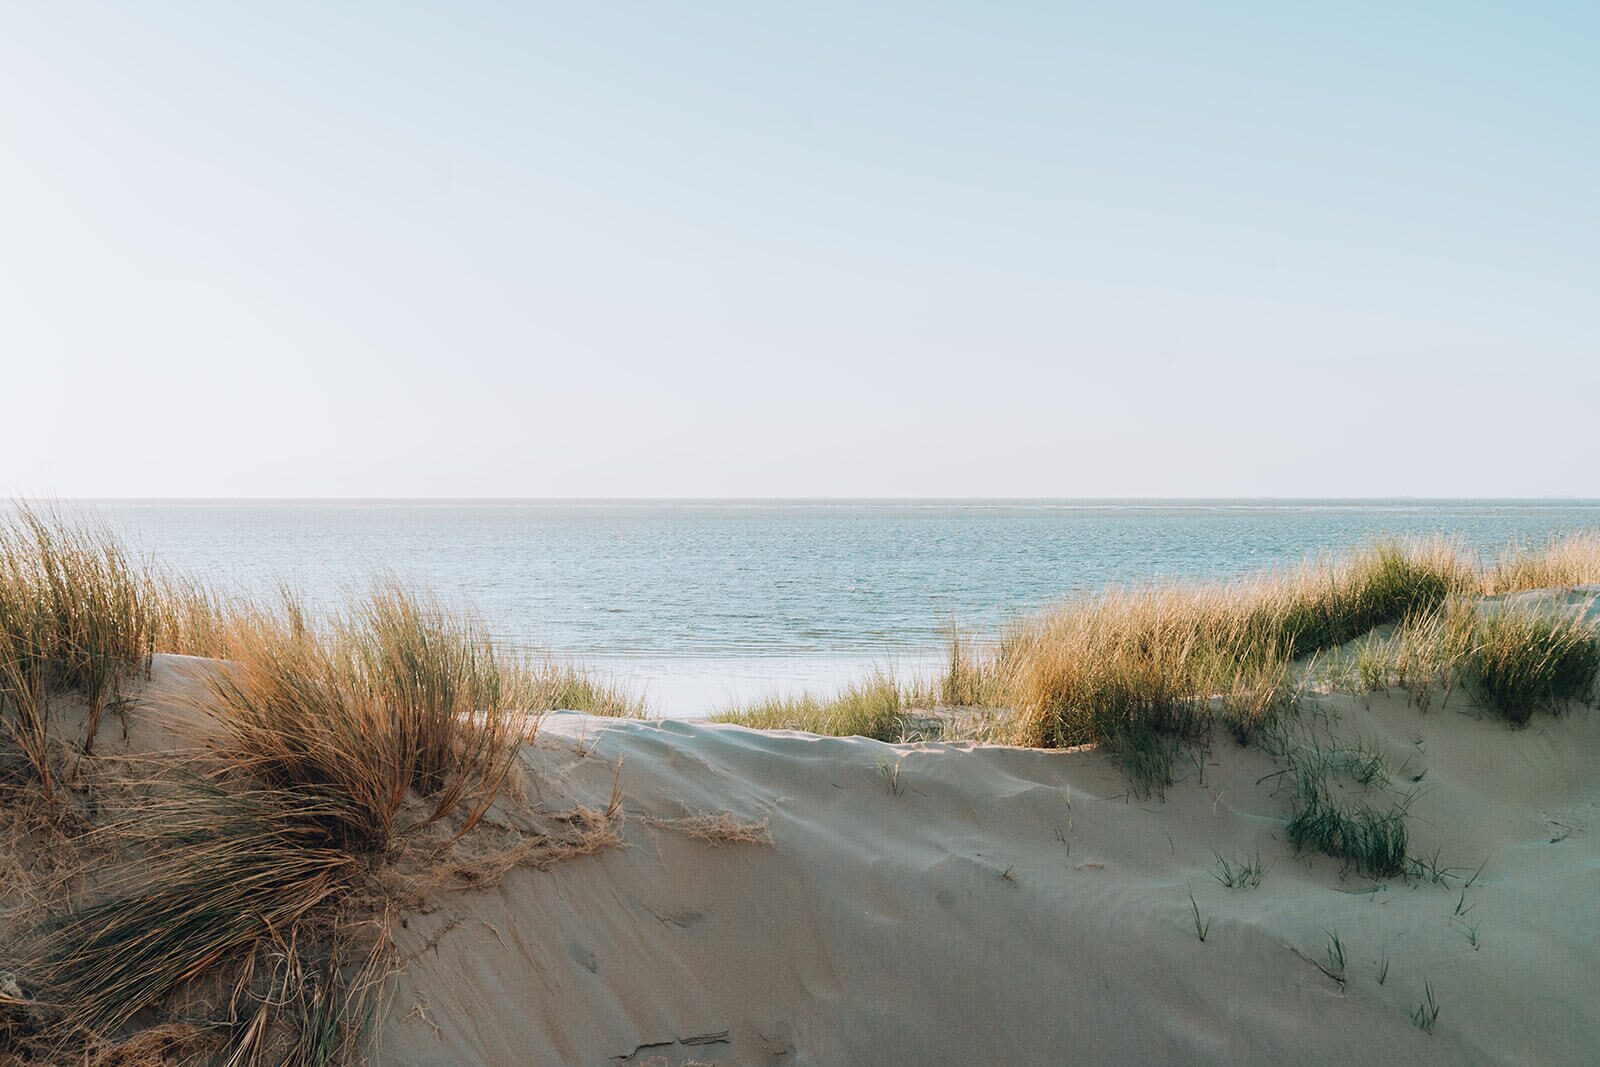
(394, 697)
(875, 708)
(968, 680)
(1562, 563)
(1523, 660)
(224, 873)
(352, 752)
(190, 618)
(556, 686)
(1143, 672)
(1515, 659)
(222, 896)
(74, 617)
(1368, 838)
(1425, 1016)
(1370, 841)
(1237, 873)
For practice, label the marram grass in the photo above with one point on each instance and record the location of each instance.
(1140, 672)
(342, 735)
(394, 697)
(74, 617)
(1515, 660)
(875, 708)
(225, 873)
(339, 736)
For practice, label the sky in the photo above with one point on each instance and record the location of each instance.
(751, 250)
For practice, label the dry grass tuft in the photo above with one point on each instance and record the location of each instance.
(482, 862)
(74, 616)
(190, 618)
(395, 697)
(719, 828)
(221, 872)
(1561, 563)
(157, 1046)
(1525, 660)
(240, 912)
(1143, 672)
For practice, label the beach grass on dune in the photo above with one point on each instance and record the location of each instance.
(1514, 659)
(874, 708)
(224, 873)
(1562, 563)
(558, 686)
(74, 617)
(331, 727)
(1141, 672)
(344, 734)
(1525, 660)
(393, 697)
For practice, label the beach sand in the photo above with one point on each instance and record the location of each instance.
(965, 904)
(935, 904)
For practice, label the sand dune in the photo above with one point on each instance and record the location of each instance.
(962, 904)
(926, 904)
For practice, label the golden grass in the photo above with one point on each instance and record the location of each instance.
(483, 861)
(1141, 671)
(1561, 563)
(557, 686)
(393, 697)
(341, 739)
(1170, 660)
(221, 873)
(74, 616)
(190, 618)
(1515, 659)
(874, 708)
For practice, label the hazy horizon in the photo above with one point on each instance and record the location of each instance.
(737, 252)
(1552, 497)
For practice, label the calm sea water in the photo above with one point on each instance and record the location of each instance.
(705, 602)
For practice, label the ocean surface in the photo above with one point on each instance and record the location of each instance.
(701, 604)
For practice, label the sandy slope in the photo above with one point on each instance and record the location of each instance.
(1013, 906)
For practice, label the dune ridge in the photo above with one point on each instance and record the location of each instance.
(1010, 905)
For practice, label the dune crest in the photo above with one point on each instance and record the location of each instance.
(966, 904)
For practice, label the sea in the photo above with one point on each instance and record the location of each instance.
(701, 605)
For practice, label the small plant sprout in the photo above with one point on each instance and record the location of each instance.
(1336, 958)
(1383, 967)
(1007, 875)
(1201, 926)
(891, 777)
(1426, 1014)
(1428, 868)
(1238, 873)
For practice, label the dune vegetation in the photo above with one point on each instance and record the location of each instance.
(233, 900)
(1141, 672)
(876, 707)
(1149, 674)
(344, 746)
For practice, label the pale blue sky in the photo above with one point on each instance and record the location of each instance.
(739, 249)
